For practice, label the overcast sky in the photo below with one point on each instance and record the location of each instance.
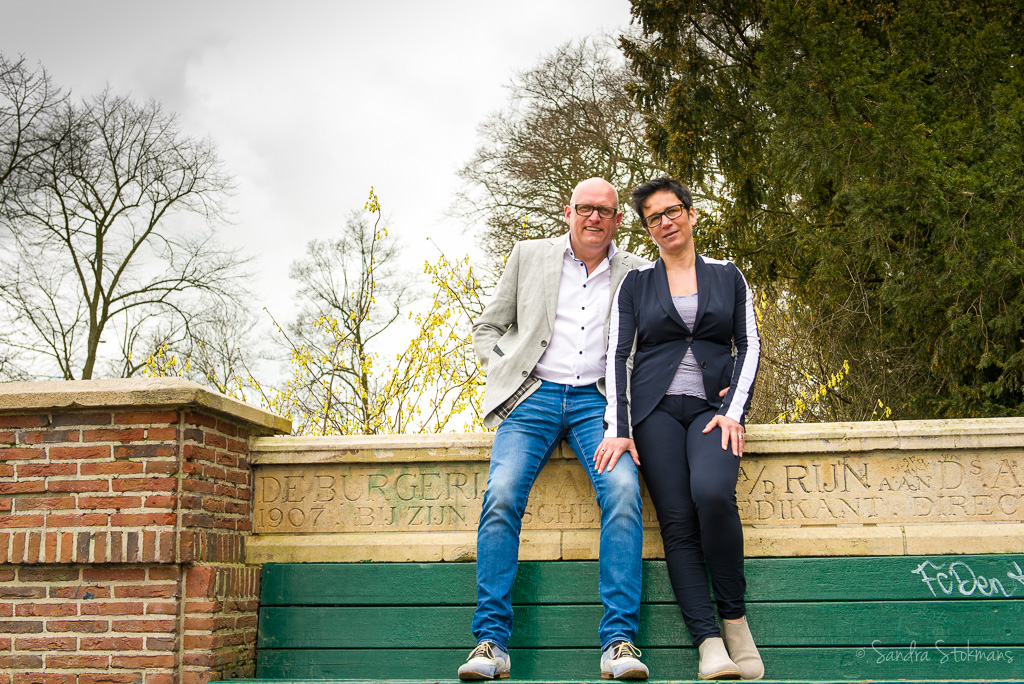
(311, 102)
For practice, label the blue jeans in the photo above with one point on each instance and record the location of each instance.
(522, 445)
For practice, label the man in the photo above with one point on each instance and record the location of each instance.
(541, 341)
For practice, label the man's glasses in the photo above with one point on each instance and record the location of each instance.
(585, 210)
(673, 212)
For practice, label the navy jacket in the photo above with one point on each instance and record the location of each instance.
(643, 313)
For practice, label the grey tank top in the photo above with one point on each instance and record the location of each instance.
(688, 379)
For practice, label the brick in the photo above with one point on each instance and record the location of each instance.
(90, 626)
(112, 678)
(158, 678)
(77, 520)
(46, 610)
(146, 591)
(111, 468)
(115, 502)
(145, 451)
(7, 438)
(161, 608)
(145, 417)
(22, 592)
(46, 644)
(77, 661)
(46, 469)
(163, 573)
(78, 486)
(32, 421)
(21, 521)
(162, 434)
(21, 626)
(6, 574)
(201, 419)
(44, 503)
(82, 592)
(144, 661)
(6, 469)
(50, 437)
(64, 419)
(142, 519)
(118, 574)
(59, 574)
(216, 441)
(114, 435)
(227, 427)
(24, 487)
(137, 626)
(164, 501)
(160, 643)
(6, 504)
(120, 643)
(118, 608)
(162, 467)
(20, 662)
(43, 678)
(22, 454)
(80, 453)
(145, 484)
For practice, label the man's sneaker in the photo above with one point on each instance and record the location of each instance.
(621, 660)
(486, 661)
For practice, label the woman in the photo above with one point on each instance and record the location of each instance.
(697, 348)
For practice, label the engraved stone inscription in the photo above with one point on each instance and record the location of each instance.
(808, 491)
(794, 491)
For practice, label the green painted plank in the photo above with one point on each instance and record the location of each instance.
(665, 663)
(781, 624)
(573, 582)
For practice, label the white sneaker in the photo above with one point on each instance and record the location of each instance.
(486, 661)
(621, 660)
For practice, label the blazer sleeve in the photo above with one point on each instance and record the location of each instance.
(621, 339)
(748, 352)
(500, 312)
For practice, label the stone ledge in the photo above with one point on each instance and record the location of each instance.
(763, 440)
(21, 397)
(759, 542)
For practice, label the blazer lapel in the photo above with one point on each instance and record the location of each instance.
(552, 279)
(703, 290)
(664, 294)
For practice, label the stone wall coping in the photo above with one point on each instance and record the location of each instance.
(765, 440)
(22, 397)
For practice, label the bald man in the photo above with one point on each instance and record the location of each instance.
(542, 340)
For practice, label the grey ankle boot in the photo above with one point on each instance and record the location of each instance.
(742, 650)
(715, 662)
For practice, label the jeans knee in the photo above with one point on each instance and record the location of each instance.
(503, 499)
(621, 495)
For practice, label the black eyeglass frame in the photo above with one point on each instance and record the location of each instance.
(654, 220)
(594, 207)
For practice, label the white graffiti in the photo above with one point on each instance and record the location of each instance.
(959, 577)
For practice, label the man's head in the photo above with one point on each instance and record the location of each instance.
(589, 232)
(642, 192)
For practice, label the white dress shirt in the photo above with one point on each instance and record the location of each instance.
(575, 354)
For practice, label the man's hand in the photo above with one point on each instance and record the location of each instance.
(611, 449)
(732, 432)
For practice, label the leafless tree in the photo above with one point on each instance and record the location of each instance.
(111, 229)
(568, 118)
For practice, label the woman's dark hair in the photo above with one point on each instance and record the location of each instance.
(642, 192)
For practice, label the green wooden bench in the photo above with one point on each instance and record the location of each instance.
(924, 618)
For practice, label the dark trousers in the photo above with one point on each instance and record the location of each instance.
(692, 482)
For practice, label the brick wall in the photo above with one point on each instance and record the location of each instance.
(122, 547)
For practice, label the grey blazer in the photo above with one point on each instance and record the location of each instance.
(510, 335)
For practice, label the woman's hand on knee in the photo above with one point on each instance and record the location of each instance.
(732, 433)
(611, 450)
